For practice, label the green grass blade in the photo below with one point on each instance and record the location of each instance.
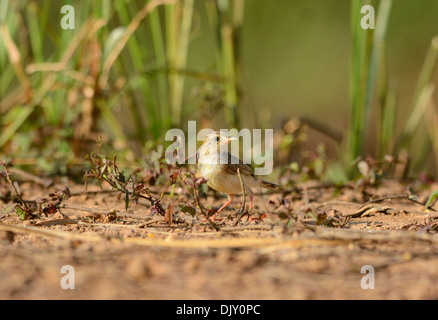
(160, 62)
(136, 58)
(21, 115)
(387, 124)
(422, 95)
(226, 18)
(35, 35)
(359, 82)
(416, 116)
(431, 199)
(178, 24)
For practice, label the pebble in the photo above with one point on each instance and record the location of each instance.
(7, 236)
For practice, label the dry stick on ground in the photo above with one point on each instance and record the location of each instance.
(370, 209)
(55, 222)
(397, 197)
(50, 233)
(74, 194)
(293, 189)
(26, 175)
(242, 210)
(74, 236)
(364, 210)
(85, 209)
(6, 174)
(301, 189)
(367, 208)
(195, 196)
(328, 236)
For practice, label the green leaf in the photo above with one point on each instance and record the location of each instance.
(431, 199)
(8, 208)
(188, 209)
(21, 213)
(126, 199)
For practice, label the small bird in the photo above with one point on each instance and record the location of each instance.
(220, 169)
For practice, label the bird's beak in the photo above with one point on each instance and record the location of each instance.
(229, 139)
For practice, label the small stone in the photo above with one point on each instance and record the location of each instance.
(7, 236)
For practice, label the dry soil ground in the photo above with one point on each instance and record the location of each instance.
(138, 256)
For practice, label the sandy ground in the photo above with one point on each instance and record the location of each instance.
(137, 256)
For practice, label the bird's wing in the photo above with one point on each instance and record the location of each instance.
(233, 163)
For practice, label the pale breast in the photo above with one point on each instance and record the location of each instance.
(221, 180)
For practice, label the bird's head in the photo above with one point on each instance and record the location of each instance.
(212, 144)
(216, 139)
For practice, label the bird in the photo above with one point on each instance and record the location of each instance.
(221, 169)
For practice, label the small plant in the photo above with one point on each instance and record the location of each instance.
(21, 208)
(45, 206)
(192, 184)
(315, 164)
(286, 203)
(104, 170)
(52, 204)
(370, 173)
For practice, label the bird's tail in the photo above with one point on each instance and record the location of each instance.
(270, 185)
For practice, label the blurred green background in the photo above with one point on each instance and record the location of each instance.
(130, 70)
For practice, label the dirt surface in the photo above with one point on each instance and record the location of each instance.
(119, 254)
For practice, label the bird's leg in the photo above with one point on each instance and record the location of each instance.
(250, 194)
(230, 198)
